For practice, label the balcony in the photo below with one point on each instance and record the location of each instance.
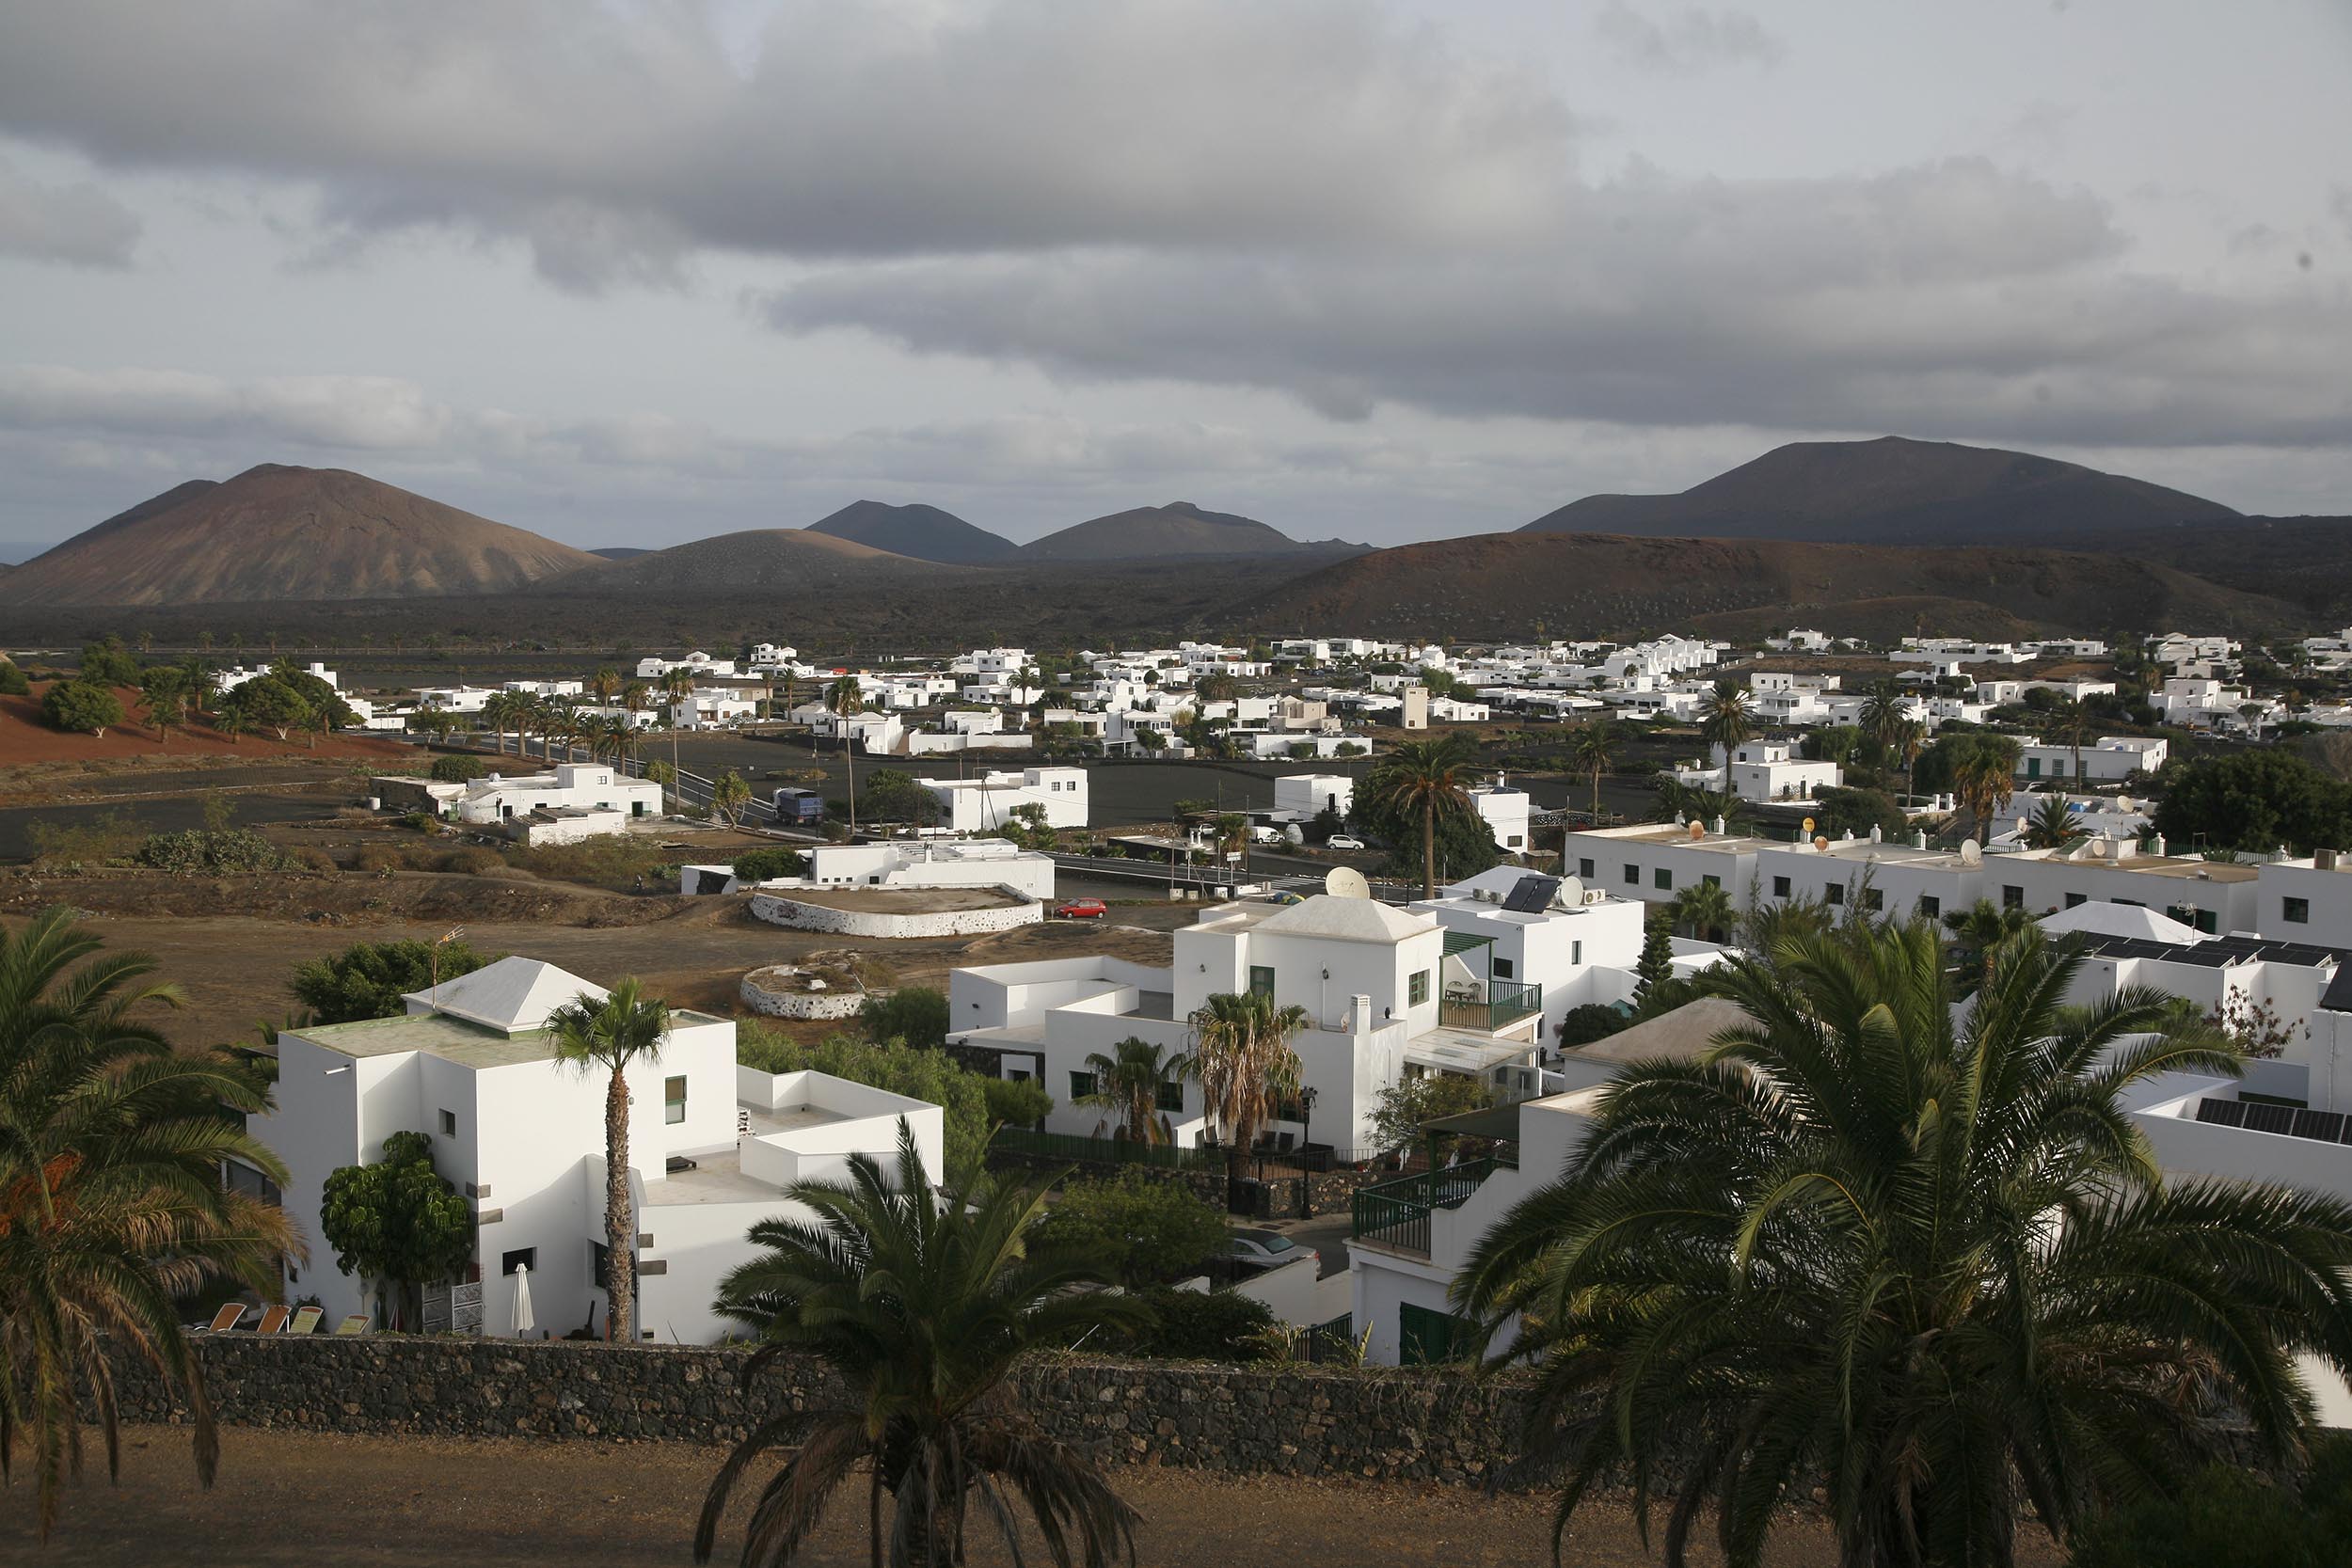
(1504, 1003)
(1396, 1213)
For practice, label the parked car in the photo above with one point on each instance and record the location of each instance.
(1342, 841)
(1268, 1249)
(1081, 908)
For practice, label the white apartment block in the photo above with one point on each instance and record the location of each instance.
(1507, 813)
(1763, 770)
(985, 804)
(2110, 759)
(927, 862)
(713, 1148)
(1903, 880)
(2213, 897)
(1654, 860)
(1578, 948)
(2306, 899)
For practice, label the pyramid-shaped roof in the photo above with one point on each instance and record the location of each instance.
(513, 995)
(2102, 918)
(1345, 920)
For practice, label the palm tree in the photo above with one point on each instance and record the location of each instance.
(624, 1029)
(1931, 1267)
(1909, 737)
(111, 1202)
(2073, 718)
(1595, 751)
(675, 686)
(1982, 930)
(847, 697)
(1725, 720)
(605, 684)
(1703, 907)
(560, 723)
(1983, 776)
(2052, 824)
(1130, 1083)
(1884, 712)
(920, 1305)
(1242, 1061)
(1426, 776)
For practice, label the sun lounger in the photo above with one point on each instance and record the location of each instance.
(230, 1317)
(355, 1324)
(274, 1319)
(305, 1320)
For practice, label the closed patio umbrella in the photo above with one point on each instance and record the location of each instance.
(523, 1323)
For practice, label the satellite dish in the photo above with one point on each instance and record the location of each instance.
(2123, 802)
(1820, 845)
(1969, 853)
(1571, 894)
(1346, 882)
(1698, 830)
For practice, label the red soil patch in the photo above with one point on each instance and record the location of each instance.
(26, 737)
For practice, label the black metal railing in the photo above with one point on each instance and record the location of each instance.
(1506, 1003)
(1396, 1213)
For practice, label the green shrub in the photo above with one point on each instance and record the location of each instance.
(1016, 1102)
(1190, 1325)
(1590, 1023)
(1145, 1229)
(915, 1014)
(421, 822)
(961, 1095)
(2229, 1518)
(369, 978)
(13, 682)
(203, 850)
(81, 707)
(457, 768)
(761, 865)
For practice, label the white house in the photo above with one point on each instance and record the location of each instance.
(520, 1136)
(1303, 795)
(1388, 994)
(929, 863)
(1904, 880)
(1763, 770)
(1654, 860)
(2306, 900)
(1506, 813)
(2110, 759)
(2213, 897)
(985, 804)
(576, 800)
(1573, 951)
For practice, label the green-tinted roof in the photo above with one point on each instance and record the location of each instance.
(1462, 942)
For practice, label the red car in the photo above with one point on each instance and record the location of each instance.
(1082, 908)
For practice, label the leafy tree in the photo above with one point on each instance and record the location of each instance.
(662, 773)
(912, 1015)
(81, 705)
(893, 795)
(1401, 1108)
(317, 694)
(268, 703)
(457, 768)
(729, 796)
(2256, 798)
(1703, 908)
(921, 1309)
(12, 681)
(398, 1223)
(2229, 1517)
(1014, 1101)
(111, 1205)
(1242, 1061)
(1654, 970)
(1140, 1229)
(369, 978)
(1204, 1325)
(1129, 1083)
(610, 1036)
(1592, 1022)
(762, 866)
(1858, 811)
(1828, 1254)
(1421, 791)
(109, 663)
(971, 1105)
(1837, 743)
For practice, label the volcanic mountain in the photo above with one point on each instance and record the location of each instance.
(1159, 532)
(1892, 491)
(1498, 584)
(277, 533)
(730, 564)
(922, 533)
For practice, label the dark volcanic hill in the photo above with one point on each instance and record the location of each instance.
(1162, 533)
(919, 531)
(275, 533)
(1892, 491)
(620, 552)
(1500, 584)
(729, 565)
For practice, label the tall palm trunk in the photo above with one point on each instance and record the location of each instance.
(620, 1221)
(1595, 794)
(1428, 848)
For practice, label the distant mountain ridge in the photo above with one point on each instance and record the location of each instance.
(277, 532)
(1164, 532)
(1892, 490)
(917, 530)
(729, 565)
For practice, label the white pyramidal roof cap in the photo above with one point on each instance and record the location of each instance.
(1346, 920)
(513, 995)
(2120, 920)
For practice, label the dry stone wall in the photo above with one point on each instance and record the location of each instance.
(1295, 1419)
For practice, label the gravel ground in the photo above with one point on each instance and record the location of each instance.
(302, 1500)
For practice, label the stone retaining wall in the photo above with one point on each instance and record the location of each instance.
(840, 1002)
(778, 910)
(1295, 1419)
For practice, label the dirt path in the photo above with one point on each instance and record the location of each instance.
(302, 1500)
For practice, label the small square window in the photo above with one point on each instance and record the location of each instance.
(1833, 893)
(522, 1257)
(1081, 1084)
(1873, 898)
(1584, 869)
(1633, 875)
(1503, 969)
(2013, 897)
(1780, 887)
(2297, 911)
(1170, 1098)
(673, 1100)
(1260, 980)
(449, 1124)
(1711, 880)
(2074, 900)
(1662, 879)
(1416, 989)
(1929, 906)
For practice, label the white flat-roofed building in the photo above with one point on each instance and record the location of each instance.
(927, 862)
(520, 1136)
(2306, 899)
(1578, 953)
(1508, 812)
(1654, 860)
(572, 785)
(988, 803)
(2213, 896)
(1902, 880)
(2110, 759)
(1303, 795)
(1765, 770)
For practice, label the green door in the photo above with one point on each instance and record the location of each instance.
(1426, 1338)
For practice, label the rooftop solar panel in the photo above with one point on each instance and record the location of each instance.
(1532, 896)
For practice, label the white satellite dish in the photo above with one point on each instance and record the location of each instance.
(1571, 894)
(1346, 882)
(1969, 853)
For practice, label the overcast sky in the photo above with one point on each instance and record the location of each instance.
(641, 273)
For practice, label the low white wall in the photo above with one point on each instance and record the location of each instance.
(781, 1002)
(779, 911)
(1296, 1295)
